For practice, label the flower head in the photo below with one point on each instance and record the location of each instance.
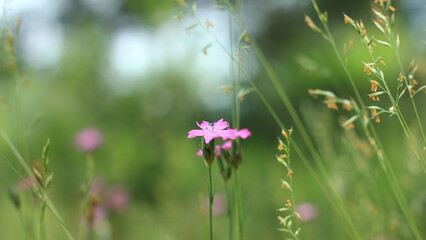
(307, 211)
(211, 131)
(88, 139)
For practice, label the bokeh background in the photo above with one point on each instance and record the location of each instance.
(130, 69)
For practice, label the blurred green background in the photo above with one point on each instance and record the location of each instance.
(128, 68)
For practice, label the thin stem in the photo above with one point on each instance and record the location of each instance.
(383, 159)
(229, 211)
(239, 208)
(211, 198)
(43, 195)
(340, 207)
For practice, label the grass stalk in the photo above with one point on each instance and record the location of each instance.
(40, 193)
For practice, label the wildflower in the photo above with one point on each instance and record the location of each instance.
(307, 211)
(25, 183)
(374, 85)
(211, 131)
(87, 140)
(103, 200)
(227, 145)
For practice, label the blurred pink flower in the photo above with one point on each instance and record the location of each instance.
(227, 145)
(200, 153)
(106, 199)
(219, 204)
(211, 131)
(307, 211)
(25, 183)
(87, 140)
(117, 199)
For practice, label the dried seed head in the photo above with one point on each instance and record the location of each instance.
(331, 103)
(373, 97)
(374, 85)
(349, 126)
(288, 204)
(346, 106)
(290, 173)
(368, 68)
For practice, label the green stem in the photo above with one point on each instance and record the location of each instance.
(240, 215)
(30, 174)
(229, 212)
(211, 198)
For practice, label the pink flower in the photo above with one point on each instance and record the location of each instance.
(227, 145)
(211, 131)
(87, 140)
(307, 211)
(117, 199)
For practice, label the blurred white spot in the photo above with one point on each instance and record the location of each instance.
(41, 35)
(130, 52)
(41, 43)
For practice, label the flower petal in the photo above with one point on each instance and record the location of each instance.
(226, 134)
(196, 133)
(204, 125)
(209, 136)
(220, 125)
(243, 133)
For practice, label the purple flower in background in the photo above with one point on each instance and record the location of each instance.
(307, 211)
(219, 204)
(117, 199)
(89, 139)
(25, 183)
(211, 131)
(106, 199)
